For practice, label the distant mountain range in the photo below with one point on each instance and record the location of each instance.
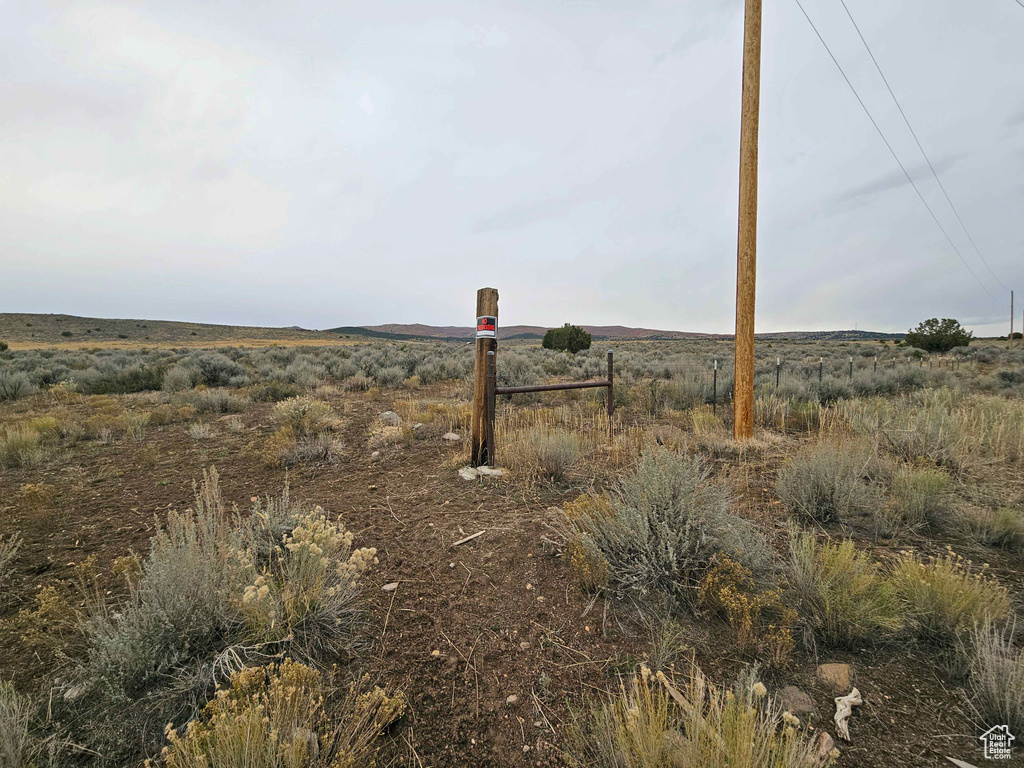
(599, 332)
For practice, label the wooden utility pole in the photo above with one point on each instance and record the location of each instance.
(746, 245)
(1009, 338)
(486, 341)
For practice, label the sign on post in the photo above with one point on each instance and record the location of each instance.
(487, 327)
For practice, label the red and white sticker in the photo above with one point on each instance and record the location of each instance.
(486, 327)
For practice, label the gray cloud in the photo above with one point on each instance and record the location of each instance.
(356, 163)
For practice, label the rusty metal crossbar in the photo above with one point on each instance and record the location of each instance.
(550, 387)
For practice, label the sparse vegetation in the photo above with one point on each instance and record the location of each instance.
(996, 677)
(827, 484)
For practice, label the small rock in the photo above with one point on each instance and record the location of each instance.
(390, 418)
(435, 653)
(417, 426)
(524, 645)
(838, 676)
(74, 692)
(389, 587)
(468, 473)
(375, 456)
(796, 701)
(511, 699)
(825, 746)
(451, 437)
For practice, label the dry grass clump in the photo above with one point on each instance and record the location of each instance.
(650, 723)
(200, 430)
(218, 591)
(662, 525)
(920, 498)
(279, 716)
(827, 483)
(1003, 527)
(20, 447)
(541, 453)
(17, 747)
(9, 546)
(843, 595)
(305, 415)
(997, 677)
(945, 595)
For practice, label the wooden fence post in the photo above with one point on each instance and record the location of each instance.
(486, 341)
(611, 394)
(492, 383)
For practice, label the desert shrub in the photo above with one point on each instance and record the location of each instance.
(200, 430)
(936, 335)
(945, 595)
(548, 453)
(392, 376)
(218, 591)
(17, 747)
(134, 424)
(996, 677)
(273, 391)
(826, 484)
(920, 497)
(4, 346)
(215, 369)
(14, 386)
(282, 716)
(758, 617)
(214, 401)
(843, 596)
(112, 380)
(568, 337)
(322, 447)
(650, 723)
(305, 415)
(178, 379)
(20, 447)
(663, 525)
(1003, 527)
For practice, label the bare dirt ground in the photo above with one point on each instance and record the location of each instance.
(491, 641)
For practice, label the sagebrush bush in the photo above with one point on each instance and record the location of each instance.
(651, 723)
(996, 677)
(945, 595)
(827, 484)
(304, 415)
(20, 447)
(844, 597)
(392, 376)
(1003, 527)
(214, 401)
(178, 379)
(218, 591)
(664, 524)
(14, 386)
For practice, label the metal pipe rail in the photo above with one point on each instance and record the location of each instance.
(550, 387)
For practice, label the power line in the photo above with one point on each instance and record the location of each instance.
(918, 142)
(892, 151)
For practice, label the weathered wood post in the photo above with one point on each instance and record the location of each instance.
(821, 367)
(486, 341)
(714, 391)
(492, 384)
(611, 394)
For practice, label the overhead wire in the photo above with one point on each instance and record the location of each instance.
(918, 142)
(892, 151)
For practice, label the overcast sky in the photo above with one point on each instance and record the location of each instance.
(336, 163)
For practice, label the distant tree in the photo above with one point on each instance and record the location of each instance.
(1018, 335)
(570, 337)
(3, 346)
(936, 335)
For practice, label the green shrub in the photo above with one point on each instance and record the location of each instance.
(997, 678)
(1002, 528)
(20, 447)
(178, 379)
(4, 346)
(936, 335)
(826, 484)
(213, 401)
(568, 337)
(664, 524)
(843, 596)
(273, 391)
(945, 595)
